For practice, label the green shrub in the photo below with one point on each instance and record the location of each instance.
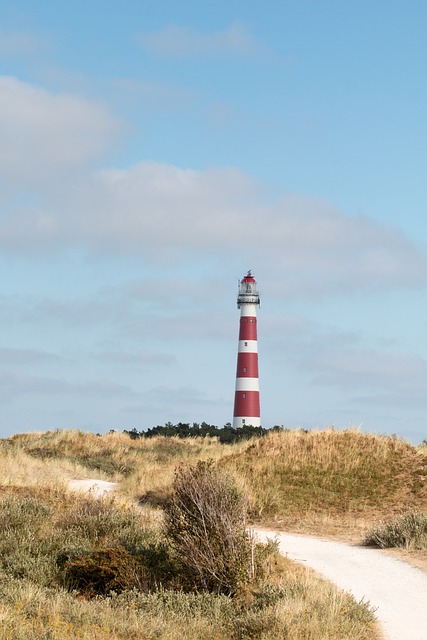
(408, 530)
(103, 571)
(17, 512)
(102, 522)
(41, 537)
(26, 550)
(205, 520)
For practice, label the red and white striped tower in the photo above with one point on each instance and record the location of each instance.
(246, 399)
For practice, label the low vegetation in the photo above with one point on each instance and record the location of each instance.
(72, 566)
(301, 608)
(408, 531)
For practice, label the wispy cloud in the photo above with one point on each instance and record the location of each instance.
(351, 361)
(168, 214)
(175, 40)
(179, 402)
(371, 368)
(17, 384)
(47, 310)
(43, 133)
(12, 356)
(21, 43)
(143, 358)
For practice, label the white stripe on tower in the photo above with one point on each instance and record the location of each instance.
(246, 399)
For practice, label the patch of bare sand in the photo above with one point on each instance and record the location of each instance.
(97, 488)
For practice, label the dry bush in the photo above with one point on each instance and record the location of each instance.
(205, 521)
(409, 530)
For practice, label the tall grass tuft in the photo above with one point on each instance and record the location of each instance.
(409, 530)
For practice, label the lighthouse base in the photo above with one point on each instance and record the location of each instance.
(239, 422)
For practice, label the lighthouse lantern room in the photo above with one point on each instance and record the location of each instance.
(246, 399)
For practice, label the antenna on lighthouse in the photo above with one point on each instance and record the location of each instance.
(246, 399)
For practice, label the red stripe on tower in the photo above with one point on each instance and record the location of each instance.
(246, 399)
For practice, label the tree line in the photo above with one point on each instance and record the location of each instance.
(225, 434)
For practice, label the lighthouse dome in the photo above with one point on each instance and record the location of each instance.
(248, 293)
(249, 278)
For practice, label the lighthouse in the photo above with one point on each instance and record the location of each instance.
(246, 399)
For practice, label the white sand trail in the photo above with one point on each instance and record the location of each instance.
(98, 488)
(397, 590)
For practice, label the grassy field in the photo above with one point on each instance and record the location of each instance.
(325, 482)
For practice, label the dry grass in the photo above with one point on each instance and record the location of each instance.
(21, 469)
(329, 482)
(102, 456)
(158, 459)
(145, 467)
(296, 606)
(422, 448)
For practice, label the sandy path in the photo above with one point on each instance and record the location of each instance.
(97, 488)
(396, 589)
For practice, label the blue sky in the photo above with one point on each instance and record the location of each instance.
(152, 153)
